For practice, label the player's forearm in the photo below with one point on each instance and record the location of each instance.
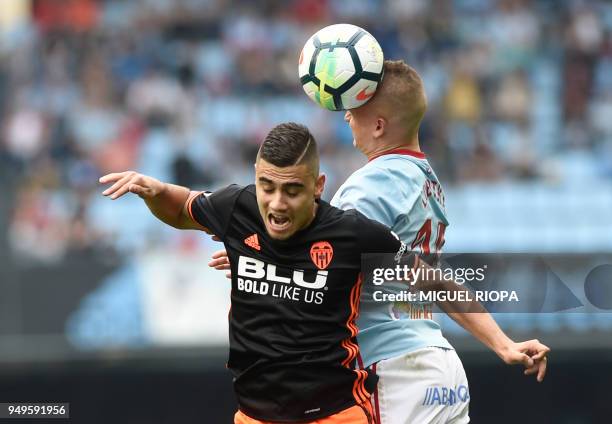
(467, 312)
(168, 205)
(473, 317)
(482, 326)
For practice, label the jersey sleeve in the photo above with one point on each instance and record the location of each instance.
(214, 210)
(375, 237)
(378, 238)
(378, 194)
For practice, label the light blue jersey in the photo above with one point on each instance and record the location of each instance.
(400, 190)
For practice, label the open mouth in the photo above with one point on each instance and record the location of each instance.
(278, 223)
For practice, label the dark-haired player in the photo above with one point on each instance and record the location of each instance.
(421, 378)
(295, 281)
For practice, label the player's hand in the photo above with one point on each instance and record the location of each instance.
(220, 261)
(539, 354)
(531, 353)
(131, 182)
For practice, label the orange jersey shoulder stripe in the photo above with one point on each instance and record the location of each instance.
(190, 203)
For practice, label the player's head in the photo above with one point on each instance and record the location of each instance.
(287, 179)
(395, 112)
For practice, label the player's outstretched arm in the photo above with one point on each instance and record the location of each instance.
(168, 202)
(474, 318)
(531, 354)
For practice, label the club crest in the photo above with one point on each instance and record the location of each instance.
(321, 254)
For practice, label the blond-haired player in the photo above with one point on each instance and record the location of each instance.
(422, 379)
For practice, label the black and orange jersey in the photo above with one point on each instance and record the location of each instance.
(294, 305)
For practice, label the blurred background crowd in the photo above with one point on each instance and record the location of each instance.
(519, 131)
(519, 127)
(519, 92)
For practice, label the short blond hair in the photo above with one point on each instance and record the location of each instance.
(402, 91)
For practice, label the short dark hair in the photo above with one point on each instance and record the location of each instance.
(289, 144)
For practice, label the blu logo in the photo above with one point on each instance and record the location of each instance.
(256, 269)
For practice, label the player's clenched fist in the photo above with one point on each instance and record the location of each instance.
(132, 182)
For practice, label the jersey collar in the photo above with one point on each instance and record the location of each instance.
(408, 152)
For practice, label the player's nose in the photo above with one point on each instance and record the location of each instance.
(277, 203)
(347, 116)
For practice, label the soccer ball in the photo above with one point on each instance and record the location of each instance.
(340, 67)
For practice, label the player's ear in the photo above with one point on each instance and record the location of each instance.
(319, 186)
(381, 125)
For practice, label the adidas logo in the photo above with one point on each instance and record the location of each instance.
(253, 241)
